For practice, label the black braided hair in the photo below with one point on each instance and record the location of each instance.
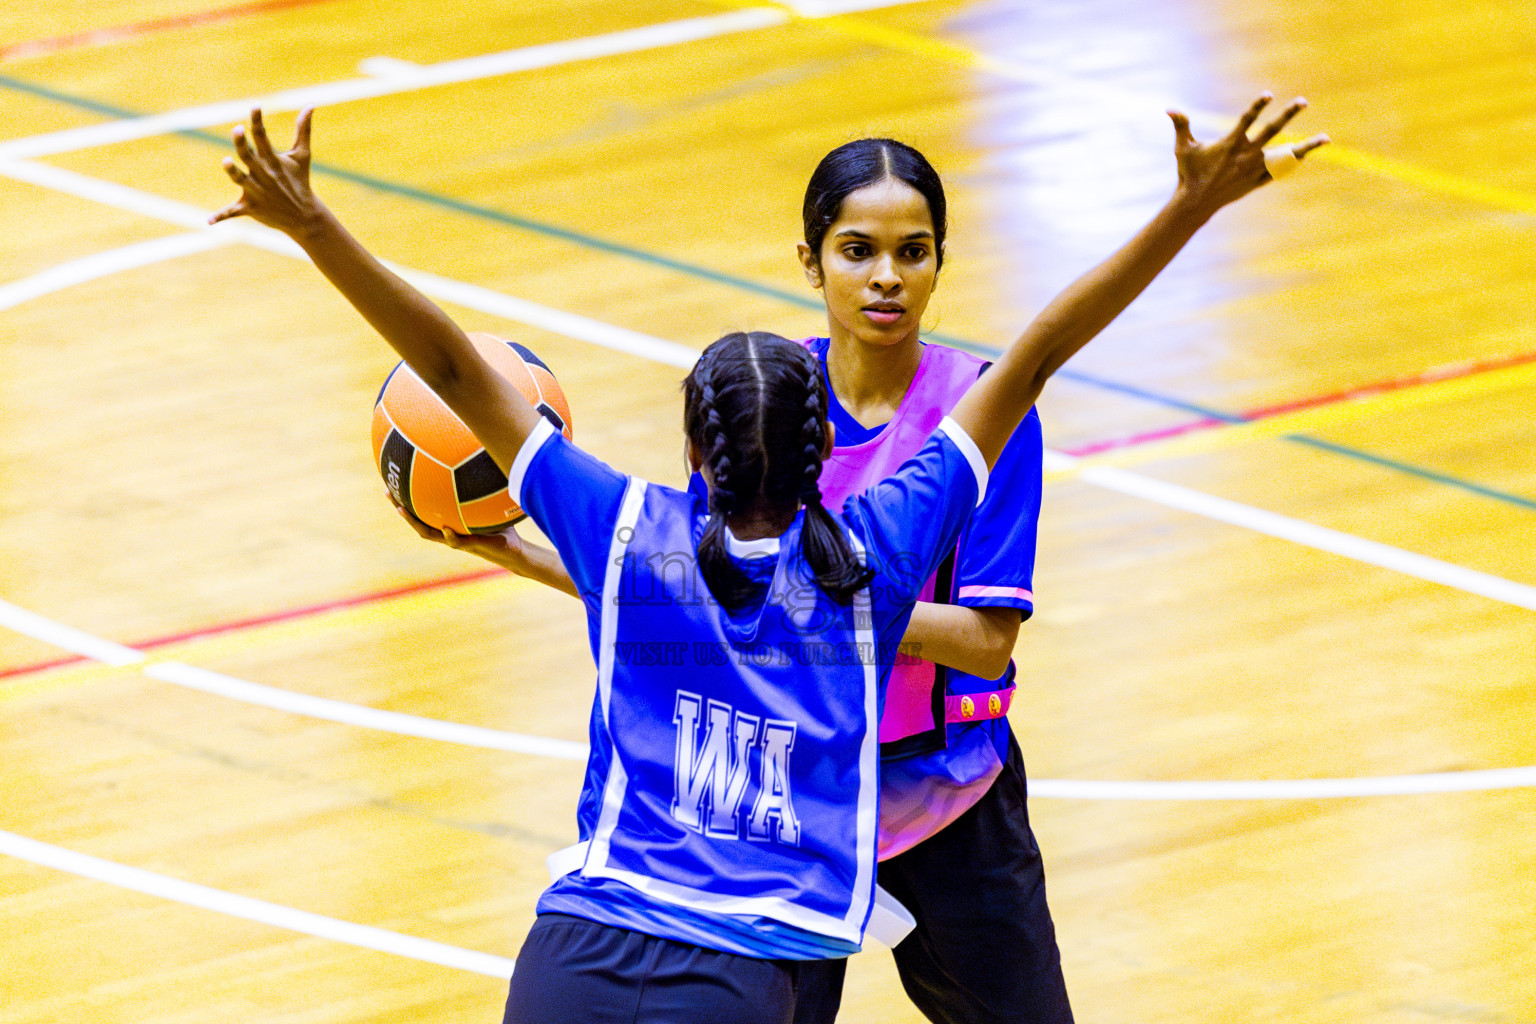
(755, 411)
(719, 415)
(722, 502)
(831, 557)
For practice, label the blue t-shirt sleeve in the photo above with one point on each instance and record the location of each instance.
(574, 498)
(996, 565)
(909, 521)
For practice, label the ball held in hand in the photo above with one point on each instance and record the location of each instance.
(434, 467)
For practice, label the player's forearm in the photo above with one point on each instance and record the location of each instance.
(543, 565)
(978, 641)
(530, 561)
(431, 343)
(424, 336)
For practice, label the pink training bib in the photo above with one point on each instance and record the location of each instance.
(914, 714)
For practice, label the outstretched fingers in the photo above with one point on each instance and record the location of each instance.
(1183, 138)
(1274, 127)
(300, 150)
(235, 172)
(1301, 149)
(1251, 115)
(238, 208)
(259, 134)
(255, 168)
(274, 186)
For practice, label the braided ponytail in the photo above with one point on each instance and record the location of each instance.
(755, 410)
(712, 436)
(826, 547)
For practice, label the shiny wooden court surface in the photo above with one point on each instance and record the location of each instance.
(1295, 553)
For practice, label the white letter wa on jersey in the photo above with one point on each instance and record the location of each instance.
(710, 777)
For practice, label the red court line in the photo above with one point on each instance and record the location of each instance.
(1434, 375)
(287, 615)
(101, 36)
(1439, 373)
(1146, 437)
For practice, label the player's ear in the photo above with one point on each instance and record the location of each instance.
(811, 262)
(695, 460)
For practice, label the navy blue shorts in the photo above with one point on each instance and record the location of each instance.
(574, 971)
(984, 949)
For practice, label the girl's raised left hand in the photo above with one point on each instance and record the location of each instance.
(1214, 174)
(274, 187)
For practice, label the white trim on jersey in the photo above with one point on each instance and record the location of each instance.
(750, 548)
(851, 927)
(869, 757)
(617, 783)
(889, 923)
(956, 433)
(774, 907)
(531, 444)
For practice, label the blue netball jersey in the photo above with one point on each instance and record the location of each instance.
(731, 794)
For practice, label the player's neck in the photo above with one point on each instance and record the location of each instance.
(871, 380)
(760, 523)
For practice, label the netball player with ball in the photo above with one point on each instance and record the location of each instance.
(955, 841)
(729, 817)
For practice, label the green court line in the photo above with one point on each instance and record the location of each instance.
(744, 284)
(1418, 471)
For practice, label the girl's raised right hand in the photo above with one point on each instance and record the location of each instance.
(1213, 174)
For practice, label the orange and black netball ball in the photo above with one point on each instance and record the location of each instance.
(431, 463)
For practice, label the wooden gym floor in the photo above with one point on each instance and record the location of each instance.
(1279, 700)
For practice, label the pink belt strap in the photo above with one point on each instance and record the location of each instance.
(978, 707)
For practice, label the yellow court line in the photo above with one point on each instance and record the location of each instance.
(242, 640)
(941, 50)
(1429, 180)
(63, 677)
(1309, 421)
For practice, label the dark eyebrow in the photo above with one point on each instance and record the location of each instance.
(851, 233)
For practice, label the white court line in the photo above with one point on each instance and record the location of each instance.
(219, 685)
(569, 325)
(826, 8)
(597, 332)
(185, 215)
(104, 264)
(215, 683)
(179, 674)
(1320, 538)
(56, 634)
(1288, 789)
(121, 197)
(385, 76)
(402, 78)
(174, 889)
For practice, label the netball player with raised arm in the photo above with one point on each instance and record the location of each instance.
(728, 816)
(955, 842)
